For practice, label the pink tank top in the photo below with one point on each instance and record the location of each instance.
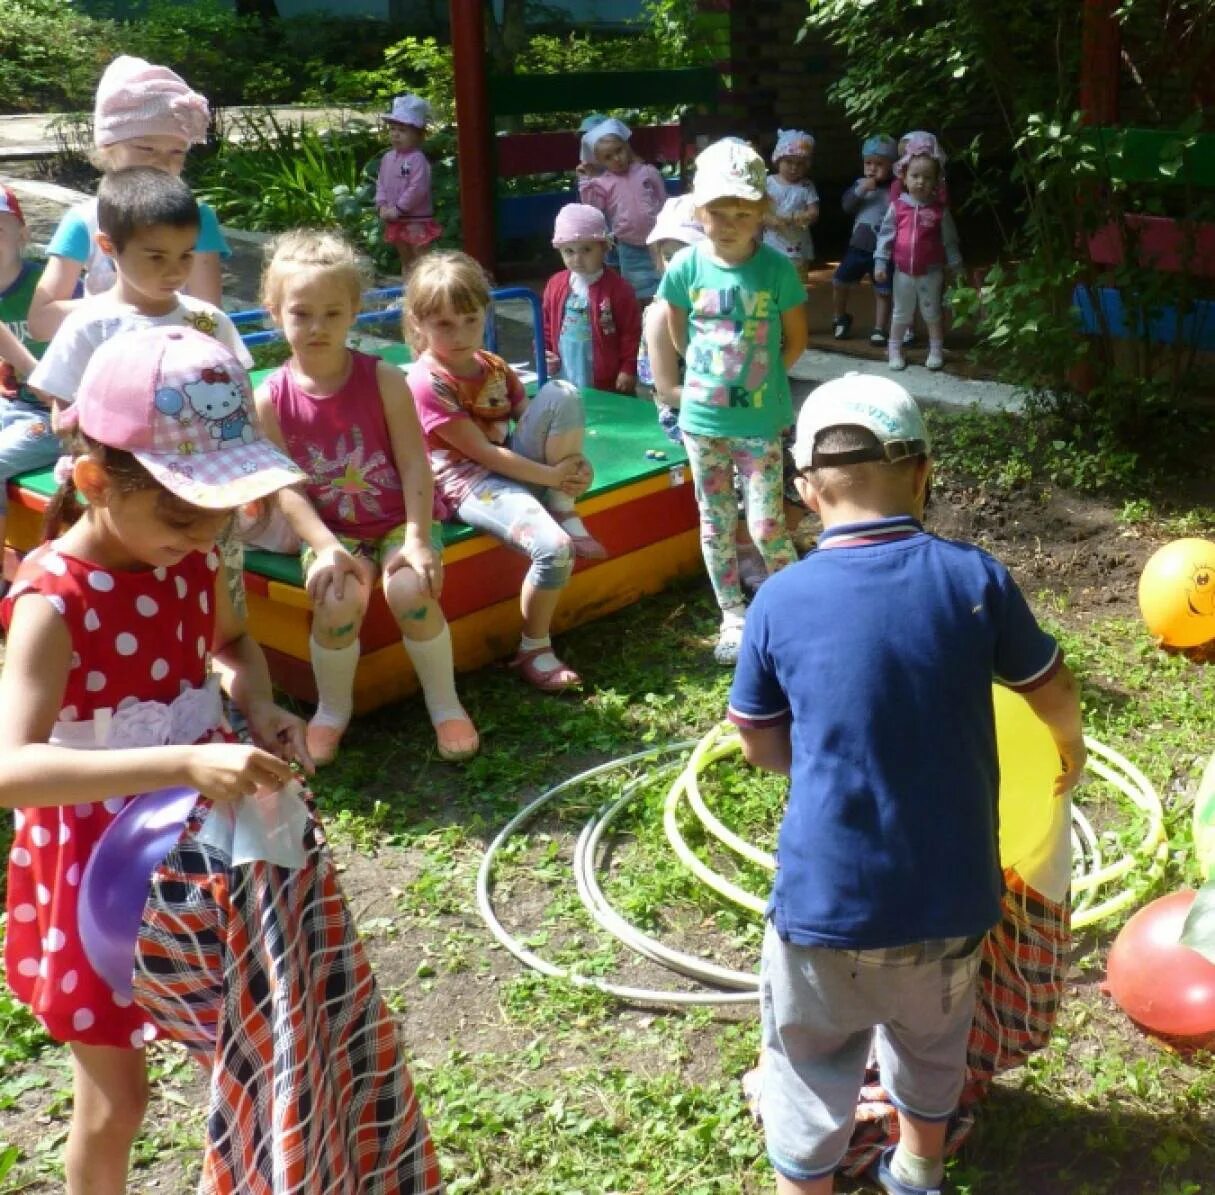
(342, 443)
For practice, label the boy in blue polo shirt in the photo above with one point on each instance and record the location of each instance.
(879, 710)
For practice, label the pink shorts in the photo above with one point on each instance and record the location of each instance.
(412, 232)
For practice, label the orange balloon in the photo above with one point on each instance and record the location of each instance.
(1177, 593)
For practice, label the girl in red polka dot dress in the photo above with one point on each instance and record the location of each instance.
(254, 967)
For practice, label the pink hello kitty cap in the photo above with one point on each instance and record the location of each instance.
(181, 404)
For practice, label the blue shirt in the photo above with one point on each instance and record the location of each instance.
(880, 650)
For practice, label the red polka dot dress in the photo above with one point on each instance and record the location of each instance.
(136, 636)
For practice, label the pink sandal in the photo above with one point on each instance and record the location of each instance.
(581, 542)
(548, 678)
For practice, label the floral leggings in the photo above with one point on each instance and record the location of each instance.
(759, 462)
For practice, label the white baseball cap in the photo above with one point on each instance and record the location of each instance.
(729, 169)
(879, 405)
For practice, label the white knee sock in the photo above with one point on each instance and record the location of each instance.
(334, 671)
(431, 659)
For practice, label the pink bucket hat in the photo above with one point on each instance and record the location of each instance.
(181, 404)
(137, 99)
(916, 145)
(579, 222)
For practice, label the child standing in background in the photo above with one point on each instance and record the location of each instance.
(144, 115)
(916, 243)
(517, 483)
(402, 188)
(348, 421)
(866, 202)
(257, 969)
(592, 324)
(736, 311)
(795, 205)
(629, 192)
(26, 439)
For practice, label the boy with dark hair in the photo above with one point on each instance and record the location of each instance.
(147, 224)
(865, 675)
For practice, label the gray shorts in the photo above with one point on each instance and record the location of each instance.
(823, 1010)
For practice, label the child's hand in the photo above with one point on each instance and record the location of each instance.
(866, 185)
(880, 276)
(388, 212)
(281, 733)
(229, 771)
(626, 383)
(1072, 755)
(552, 363)
(585, 170)
(333, 565)
(572, 475)
(419, 555)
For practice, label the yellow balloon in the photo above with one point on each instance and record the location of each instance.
(1029, 762)
(1177, 592)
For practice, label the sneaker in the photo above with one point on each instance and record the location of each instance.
(841, 326)
(729, 640)
(897, 361)
(909, 337)
(892, 1185)
(877, 336)
(935, 360)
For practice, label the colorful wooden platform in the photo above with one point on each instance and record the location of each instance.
(641, 508)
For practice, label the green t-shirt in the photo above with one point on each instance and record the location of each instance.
(14, 314)
(734, 382)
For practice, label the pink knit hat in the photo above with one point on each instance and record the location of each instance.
(579, 222)
(137, 99)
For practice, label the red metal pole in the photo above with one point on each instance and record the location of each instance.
(474, 132)
(1100, 60)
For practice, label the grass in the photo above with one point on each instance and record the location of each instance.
(532, 1086)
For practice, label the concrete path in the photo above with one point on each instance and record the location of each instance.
(30, 135)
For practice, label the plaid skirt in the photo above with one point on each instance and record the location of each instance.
(1020, 987)
(259, 972)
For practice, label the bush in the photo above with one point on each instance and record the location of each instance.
(51, 55)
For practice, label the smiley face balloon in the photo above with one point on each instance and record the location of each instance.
(1177, 593)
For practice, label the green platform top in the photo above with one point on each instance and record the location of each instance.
(620, 431)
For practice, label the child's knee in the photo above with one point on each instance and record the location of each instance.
(340, 618)
(410, 600)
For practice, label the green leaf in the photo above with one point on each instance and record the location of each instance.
(1199, 930)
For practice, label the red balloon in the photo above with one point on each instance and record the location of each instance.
(1164, 987)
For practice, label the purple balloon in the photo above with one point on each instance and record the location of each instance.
(118, 877)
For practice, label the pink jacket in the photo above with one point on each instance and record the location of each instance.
(917, 237)
(614, 340)
(630, 201)
(404, 183)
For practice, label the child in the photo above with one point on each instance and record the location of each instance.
(736, 312)
(592, 324)
(26, 439)
(866, 202)
(518, 484)
(890, 873)
(660, 365)
(628, 192)
(256, 969)
(794, 199)
(348, 421)
(919, 237)
(402, 188)
(147, 224)
(145, 115)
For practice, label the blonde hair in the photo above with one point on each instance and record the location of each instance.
(443, 281)
(311, 249)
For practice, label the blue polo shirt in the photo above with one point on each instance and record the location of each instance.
(879, 651)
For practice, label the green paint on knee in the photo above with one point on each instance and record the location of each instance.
(342, 632)
(418, 614)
